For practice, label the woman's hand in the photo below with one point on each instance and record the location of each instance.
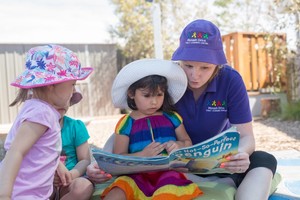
(96, 175)
(237, 163)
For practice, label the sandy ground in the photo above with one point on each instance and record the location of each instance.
(270, 134)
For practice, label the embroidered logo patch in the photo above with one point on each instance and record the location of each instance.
(216, 106)
(194, 37)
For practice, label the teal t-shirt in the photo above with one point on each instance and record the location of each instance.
(73, 134)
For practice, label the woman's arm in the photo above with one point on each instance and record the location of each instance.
(247, 141)
(27, 135)
(96, 175)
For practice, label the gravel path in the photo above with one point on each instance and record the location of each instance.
(270, 134)
(275, 135)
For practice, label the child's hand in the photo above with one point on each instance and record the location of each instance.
(153, 149)
(63, 177)
(56, 181)
(171, 146)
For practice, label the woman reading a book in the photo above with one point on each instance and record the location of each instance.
(216, 99)
(150, 87)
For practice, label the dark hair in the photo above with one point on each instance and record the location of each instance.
(152, 83)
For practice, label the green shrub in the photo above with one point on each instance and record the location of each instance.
(292, 111)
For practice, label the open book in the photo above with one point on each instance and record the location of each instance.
(202, 158)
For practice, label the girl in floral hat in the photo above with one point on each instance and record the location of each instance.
(150, 87)
(33, 144)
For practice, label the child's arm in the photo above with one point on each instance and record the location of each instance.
(84, 159)
(183, 140)
(62, 175)
(27, 135)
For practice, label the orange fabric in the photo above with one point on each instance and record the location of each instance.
(170, 192)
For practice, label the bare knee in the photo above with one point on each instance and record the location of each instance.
(80, 188)
(115, 194)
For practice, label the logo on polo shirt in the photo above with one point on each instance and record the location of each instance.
(216, 106)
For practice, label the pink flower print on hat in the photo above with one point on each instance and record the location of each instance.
(50, 64)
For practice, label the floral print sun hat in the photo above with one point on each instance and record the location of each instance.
(50, 64)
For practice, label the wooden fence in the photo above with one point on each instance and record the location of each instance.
(258, 57)
(96, 89)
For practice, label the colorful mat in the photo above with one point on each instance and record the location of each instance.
(289, 169)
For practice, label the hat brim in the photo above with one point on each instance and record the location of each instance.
(134, 71)
(25, 84)
(211, 56)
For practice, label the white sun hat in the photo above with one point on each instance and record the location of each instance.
(134, 71)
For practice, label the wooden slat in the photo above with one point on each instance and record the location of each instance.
(228, 52)
(254, 63)
(250, 58)
(246, 62)
(262, 63)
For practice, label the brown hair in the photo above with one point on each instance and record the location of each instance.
(21, 97)
(24, 94)
(153, 83)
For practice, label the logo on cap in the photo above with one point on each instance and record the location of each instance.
(195, 37)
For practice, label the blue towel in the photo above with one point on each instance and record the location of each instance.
(289, 169)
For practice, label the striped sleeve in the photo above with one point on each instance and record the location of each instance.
(124, 125)
(174, 117)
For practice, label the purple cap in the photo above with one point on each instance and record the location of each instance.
(201, 41)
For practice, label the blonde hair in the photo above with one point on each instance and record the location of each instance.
(21, 97)
(215, 73)
(24, 94)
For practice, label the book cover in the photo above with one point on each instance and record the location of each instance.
(202, 158)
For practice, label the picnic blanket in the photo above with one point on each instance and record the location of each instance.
(289, 169)
(286, 183)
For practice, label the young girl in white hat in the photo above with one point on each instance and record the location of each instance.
(150, 87)
(33, 144)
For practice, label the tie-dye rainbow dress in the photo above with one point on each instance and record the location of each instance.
(155, 185)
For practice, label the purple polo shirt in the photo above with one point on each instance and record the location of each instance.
(224, 102)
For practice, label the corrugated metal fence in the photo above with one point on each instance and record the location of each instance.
(96, 89)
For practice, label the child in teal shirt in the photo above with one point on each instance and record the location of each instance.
(69, 181)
